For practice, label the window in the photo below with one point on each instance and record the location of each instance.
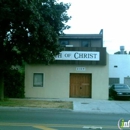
(113, 80)
(85, 43)
(38, 79)
(64, 43)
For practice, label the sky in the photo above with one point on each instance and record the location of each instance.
(113, 16)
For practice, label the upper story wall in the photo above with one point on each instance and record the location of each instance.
(82, 49)
(82, 40)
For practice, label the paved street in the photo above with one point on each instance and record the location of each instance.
(86, 114)
(54, 119)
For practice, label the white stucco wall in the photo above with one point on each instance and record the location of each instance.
(57, 79)
(123, 66)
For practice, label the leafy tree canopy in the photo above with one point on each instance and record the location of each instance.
(29, 31)
(119, 52)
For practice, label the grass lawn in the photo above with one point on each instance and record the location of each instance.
(36, 103)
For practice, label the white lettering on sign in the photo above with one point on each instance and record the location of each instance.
(78, 55)
(80, 68)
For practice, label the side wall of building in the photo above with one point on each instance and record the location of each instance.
(119, 66)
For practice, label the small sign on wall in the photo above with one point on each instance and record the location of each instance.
(80, 68)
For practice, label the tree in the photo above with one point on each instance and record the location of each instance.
(119, 52)
(29, 31)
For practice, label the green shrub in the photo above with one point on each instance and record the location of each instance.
(14, 84)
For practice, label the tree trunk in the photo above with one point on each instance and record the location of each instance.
(1, 88)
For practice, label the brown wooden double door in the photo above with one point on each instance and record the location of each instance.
(80, 85)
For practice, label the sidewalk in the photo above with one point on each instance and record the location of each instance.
(98, 106)
(102, 106)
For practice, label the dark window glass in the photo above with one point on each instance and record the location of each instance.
(85, 44)
(38, 79)
(114, 81)
(122, 87)
(64, 42)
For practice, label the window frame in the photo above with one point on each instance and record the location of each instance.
(64, 43)
(87, 42)
(42, 77)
